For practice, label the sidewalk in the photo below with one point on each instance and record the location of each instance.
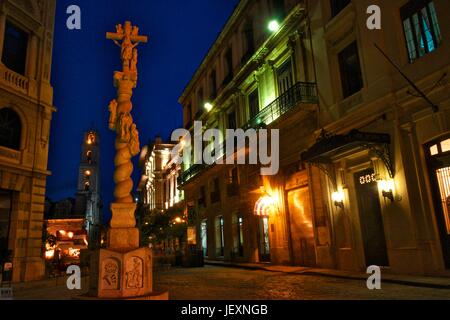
(407, 280)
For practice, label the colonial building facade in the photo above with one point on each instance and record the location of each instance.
(363, 153)
(26, 107)
(258, 74)
(158, 186)
(384, 147)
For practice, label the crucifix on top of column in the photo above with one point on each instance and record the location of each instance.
(127, 142)
(127, 38)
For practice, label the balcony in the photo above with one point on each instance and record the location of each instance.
(300, 93)
(14, 80)
(190, 173)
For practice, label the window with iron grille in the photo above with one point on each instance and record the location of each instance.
(421, 28)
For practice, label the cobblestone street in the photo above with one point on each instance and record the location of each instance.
(219, 283)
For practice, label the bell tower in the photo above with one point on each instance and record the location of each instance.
(88, 191)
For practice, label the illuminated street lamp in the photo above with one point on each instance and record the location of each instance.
(274, 26)
(208, 106)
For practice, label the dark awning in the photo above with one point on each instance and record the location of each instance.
(328, 146)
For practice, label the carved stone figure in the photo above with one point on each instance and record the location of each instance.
(134, 142)
(113, 114)
(134, 275)
(124, 127)
(111, 275)
(134, 60)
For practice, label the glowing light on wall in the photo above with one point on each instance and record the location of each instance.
(338, 198)
(387, 188)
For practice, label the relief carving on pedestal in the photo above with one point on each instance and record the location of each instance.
(111, 274)
(134, 268)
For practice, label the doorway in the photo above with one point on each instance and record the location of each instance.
(302, 230)
(264, 240)
(204, 237)
(439, 167)
(372, 228)
(5, 223)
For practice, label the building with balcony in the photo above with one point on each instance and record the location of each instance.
(158, 187)
(26, 107)
(258, 74)
(159, 195)
(383, 143)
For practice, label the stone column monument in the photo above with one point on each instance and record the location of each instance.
(123, 270)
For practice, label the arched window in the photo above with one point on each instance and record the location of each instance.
(89, 157)
(10, 129)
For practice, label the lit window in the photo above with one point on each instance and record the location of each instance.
(434, 150)
(421, 28)
(91, 139)
(445, 145)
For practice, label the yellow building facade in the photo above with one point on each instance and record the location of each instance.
(383, 147)
(259, 73)
(363, 174)
(26, 107)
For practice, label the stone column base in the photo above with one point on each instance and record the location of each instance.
(117, 275)
(123, 239)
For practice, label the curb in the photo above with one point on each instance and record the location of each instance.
(336, 276)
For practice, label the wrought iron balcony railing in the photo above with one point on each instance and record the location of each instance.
(190, 173)
(300, 93)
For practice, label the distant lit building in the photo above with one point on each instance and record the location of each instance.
(158, 187)
(70, 238)
(88, 199)
(26, 108)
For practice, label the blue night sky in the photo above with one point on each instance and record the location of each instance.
(181, 32)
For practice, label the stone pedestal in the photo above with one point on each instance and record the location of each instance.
(123, 271)
(117, 275)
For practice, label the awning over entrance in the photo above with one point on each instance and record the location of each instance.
(264, 207)
(327, 146)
